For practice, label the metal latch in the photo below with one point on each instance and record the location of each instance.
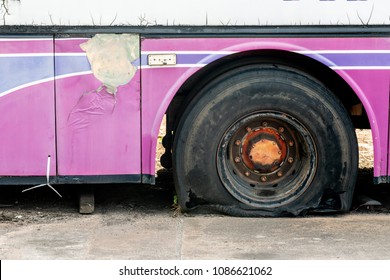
(161, 59)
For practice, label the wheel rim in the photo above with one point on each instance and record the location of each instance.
(267, 159)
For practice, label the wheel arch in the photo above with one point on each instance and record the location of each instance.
(344, 87)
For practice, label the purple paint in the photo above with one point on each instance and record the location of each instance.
(28, 115)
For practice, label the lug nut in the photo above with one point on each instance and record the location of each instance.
(237, 159)
(263, 178)
(290, 160)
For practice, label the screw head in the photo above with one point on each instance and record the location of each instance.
(237, 159)
(290, 160)
(264, 124)
(263, 178)
(248, 129)
(247, 173)
(291, 143)
(280, 174)
(238, 142)
(281, 129)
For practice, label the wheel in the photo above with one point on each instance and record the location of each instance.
(264, 140)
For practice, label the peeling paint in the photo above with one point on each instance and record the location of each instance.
(111, 57)
(91, 105)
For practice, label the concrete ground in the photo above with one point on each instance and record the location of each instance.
(205, 237)
(137, 222)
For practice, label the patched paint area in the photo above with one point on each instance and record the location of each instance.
(111, 57)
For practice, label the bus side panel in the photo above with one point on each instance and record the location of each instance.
(98, 133)
(362, 62)
(27, 121)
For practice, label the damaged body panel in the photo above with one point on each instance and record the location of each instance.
(98, 105)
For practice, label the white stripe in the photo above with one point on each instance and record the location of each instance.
(74, 74)
(301, 52)
(174, 66)
(344, 52)
(24, 54)
(204, 52)
(25, 39)
(25, 86)
(71, 54)
(188, 52)
(72, 39)
(360, 67)
(40, 54)
(2, 94)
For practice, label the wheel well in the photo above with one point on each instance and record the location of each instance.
(283, 58)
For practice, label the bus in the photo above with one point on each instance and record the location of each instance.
(261, 98)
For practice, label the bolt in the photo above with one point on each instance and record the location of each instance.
(248, 129)
(291, 143)
(280, 174)
(265, 124)
(281, 129)
(238, 142)
(263, 178)
(290, 160)
(247, 173)
(237, 159)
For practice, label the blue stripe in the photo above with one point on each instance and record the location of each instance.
(329, 59)
(16, 71)
(189, 58)
(71, 64)
(353, 59)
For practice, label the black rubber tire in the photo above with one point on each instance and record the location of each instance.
(324, 144)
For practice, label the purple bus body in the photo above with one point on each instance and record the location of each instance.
(51, 104)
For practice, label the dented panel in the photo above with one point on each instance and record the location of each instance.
(98, 105)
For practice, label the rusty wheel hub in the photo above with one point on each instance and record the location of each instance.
(266, 157)
(264, 151)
